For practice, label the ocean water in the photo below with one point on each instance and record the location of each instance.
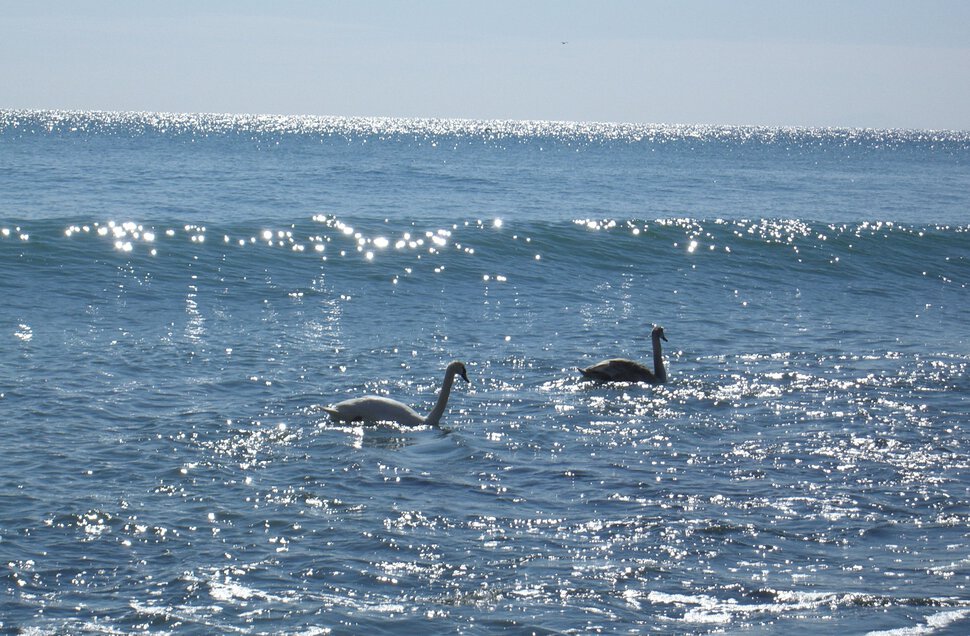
(182, 293)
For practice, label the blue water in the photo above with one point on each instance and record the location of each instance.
(182, 293)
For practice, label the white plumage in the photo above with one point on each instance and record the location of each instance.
(372, 409)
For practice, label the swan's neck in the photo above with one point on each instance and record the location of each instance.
(439, 408)
(659, 371)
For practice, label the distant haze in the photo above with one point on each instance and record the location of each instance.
(865, 63)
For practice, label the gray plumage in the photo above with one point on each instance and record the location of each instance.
(623, 370)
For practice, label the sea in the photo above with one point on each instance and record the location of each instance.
(182, 294)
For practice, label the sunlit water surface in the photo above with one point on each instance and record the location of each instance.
(183, 293)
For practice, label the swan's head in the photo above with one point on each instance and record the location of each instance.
(658, 333)
(458, 368)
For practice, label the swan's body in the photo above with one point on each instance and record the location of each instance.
(372, 408)
(622, 370)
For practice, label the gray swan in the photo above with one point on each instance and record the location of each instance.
(372, 409)
(621, 370)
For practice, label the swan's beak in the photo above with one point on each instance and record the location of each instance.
(663, 337)
(464, 377)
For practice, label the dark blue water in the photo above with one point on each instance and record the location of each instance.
(182, 293)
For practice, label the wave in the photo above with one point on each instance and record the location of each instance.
(803, 284)
(867, 248)
(878, 253)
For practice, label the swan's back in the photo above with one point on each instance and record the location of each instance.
(374, 408)
(619, 370)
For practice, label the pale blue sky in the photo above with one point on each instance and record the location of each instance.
(856, 63)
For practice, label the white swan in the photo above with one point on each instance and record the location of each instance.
(372, 408)
(622, 370)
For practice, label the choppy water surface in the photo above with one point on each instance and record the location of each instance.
(182, 294)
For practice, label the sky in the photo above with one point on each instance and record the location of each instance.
(841, 63)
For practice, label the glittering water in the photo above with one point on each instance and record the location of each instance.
(182, 293)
